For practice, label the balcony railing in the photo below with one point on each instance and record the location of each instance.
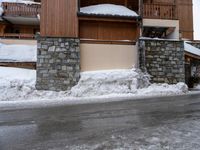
(160, 11)
(21, 9)
(18, 35)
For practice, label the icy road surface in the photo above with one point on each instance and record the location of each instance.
(151, 124)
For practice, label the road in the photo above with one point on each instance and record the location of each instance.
(171, 123)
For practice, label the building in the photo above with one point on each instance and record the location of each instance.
(20, 19)
(86, 35)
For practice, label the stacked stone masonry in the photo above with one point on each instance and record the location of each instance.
(58, 64)
(163, 60)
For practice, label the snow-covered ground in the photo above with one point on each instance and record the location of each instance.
(197, 87)
(19, 85)
(19, 53)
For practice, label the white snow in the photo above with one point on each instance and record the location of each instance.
(1, 10)
(97, 83)
(19, 85)
(197, 87)
(191, 49)
(19, 53)
(158, 39)
(108, 9)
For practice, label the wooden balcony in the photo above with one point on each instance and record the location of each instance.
(20, 9)
(160, 11)
(18, 35)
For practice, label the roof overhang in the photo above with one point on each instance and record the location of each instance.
(192, 55)
(117, 17)
(20, 20)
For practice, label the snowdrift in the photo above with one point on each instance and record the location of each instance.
(19, 85)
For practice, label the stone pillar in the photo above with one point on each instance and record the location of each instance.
(58, 63)
(163, 59)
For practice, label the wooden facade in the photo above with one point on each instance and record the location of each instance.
(108, 30)
(181, 10)
(64, 21)
(20, 9)
(19, 20)
(185, 17)
(59, 18)
(59, 23)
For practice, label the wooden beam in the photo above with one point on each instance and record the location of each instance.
(121, 42)
(126, 3)
(192, 55)
(108, 19)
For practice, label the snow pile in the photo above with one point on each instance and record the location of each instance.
(18, 53)
(191, 49)
(16, 83)
(197, 87)
(108, 9)
(164, 89)
(97, 83)
(19, 85)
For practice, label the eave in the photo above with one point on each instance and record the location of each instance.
(113, 18)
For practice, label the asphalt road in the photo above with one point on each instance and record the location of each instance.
(171, 123)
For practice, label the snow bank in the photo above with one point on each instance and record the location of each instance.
(19, 85)
(19, 53)
(108, 9)
(197, 87)
(16, 83)
(99, 83)
(164, 89)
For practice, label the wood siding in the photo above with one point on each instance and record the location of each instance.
(59, 18)
(172, 9)
(185, 16)
(2, 29)
(108, 31)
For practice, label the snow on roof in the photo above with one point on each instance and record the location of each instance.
(108, 9)
(191, 49)
(20, 1)
(18, 53)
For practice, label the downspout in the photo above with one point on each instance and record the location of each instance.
(141, 14)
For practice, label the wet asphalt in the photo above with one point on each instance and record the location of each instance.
(165, 123)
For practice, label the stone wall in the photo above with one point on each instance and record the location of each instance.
(163, 60)
(58, 63)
